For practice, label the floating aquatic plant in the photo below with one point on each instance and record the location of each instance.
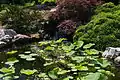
(28, 71)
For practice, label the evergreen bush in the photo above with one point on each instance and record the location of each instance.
(103, 29)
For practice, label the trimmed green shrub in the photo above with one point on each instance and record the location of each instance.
(103, 29)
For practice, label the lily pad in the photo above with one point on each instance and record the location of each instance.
(7, 70)
(88, 45)
(28, 71)
(27, 52)
(11, 61)
(12, 52)
(30, 59)
(33, 54)
(42, 75)
(25, 56)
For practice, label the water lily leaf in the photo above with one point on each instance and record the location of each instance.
(16, 77)
(78, 58)
(88, 45)
(27, 52)
(66, 78)
(53, 74)
(79, 44)
(49, 48)
(101, 71)
(106, 72)
(70, 77)
(103, 77)
(62, 72)
(30, 59)
(11, 61)
(44, 43)
(7, 78)
(81, 68)
(97, 68)
(62, 61)
(33, 54)
(21, 55)
(109, 73)
(91, 65)
(93, 76)
(41, 51)
(46, 64)
(29, 4)
(12, 52)
(25, 56)
(1, 75)
(60, 40)
(66, 48)
(28, 71)
(7, 70)
(105, 63)
(91, 52)
(53, 45)
(42, 75)
(71, 65)
(73, 69)
(70, 53)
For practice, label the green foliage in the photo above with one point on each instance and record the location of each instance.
(62, 60)
(22, 19)
(103, 29)
(12, 52)
(28, 72)
(73, 61)
(11, 61)
(24, 2)
(44, 1)
(8, 73)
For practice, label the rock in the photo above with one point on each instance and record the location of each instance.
(112, 54)
(9, 36)
(117, 60)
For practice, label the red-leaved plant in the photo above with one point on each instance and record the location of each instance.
(67, 27)
(76, 10)
(69, 12)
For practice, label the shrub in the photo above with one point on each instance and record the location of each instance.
(79, 11)
(103, 29)
(71, 9)
(67, 28)
(22, 2)
(21, 20)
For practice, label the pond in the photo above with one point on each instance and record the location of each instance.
(26, 63)
(17, 60)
